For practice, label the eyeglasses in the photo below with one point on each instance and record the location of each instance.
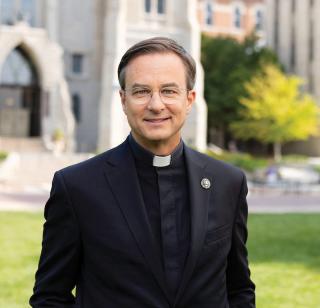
(168, 95)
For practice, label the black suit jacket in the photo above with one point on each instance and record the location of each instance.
(97, 237)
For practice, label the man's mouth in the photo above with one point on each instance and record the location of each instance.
(157, 120)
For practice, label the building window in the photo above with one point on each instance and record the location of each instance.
(209, 14)
(14, 11)
(259, 20)
(311, 41)
(161, 7)
(77, 63)
(155, 7)
(28, 11)
(237, 17)
(76, 107)
(18, 70)
(293, 50)
(147, 6)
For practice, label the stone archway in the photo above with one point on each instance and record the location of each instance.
(20, 108)
(46, 56)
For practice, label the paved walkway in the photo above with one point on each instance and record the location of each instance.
(23, 199)
(29, 198)
(23, 189)
(284, 203)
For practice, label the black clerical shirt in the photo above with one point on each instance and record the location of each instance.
(165, 195)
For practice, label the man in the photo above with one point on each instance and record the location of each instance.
(150, 223)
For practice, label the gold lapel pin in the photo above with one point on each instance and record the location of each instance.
(205, 183)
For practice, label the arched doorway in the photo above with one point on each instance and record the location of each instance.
(20, 114)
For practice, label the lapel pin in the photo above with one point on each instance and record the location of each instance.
(205, 183)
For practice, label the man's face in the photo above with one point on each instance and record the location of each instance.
(156, 123)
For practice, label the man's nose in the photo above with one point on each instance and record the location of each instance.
(155, 104)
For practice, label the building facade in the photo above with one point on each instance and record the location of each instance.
(293, 32)
(58, 63)
(235, 18)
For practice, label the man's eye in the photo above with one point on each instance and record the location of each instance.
(141, 92)
(169, 91)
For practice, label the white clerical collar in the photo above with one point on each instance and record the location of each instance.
(148, 158)
(161, 161)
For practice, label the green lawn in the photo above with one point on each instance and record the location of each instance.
(284, 254)
(285, 260)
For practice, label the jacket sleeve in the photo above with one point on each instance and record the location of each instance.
(60, 256)
(241, 290)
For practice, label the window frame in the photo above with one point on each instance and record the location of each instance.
(259, 23)
(77, 107)
(237, 9)
(77, 56)
(19, 11)
(208, 4)
(154, 13)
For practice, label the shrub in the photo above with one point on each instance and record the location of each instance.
(3, 155)
(242, 160)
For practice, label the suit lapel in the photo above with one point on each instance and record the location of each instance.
(199, 199)
(122, 177)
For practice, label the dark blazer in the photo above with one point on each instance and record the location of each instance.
(97, 237)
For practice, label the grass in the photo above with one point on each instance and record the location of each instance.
(20, 240)
(285, 260)
(284, 255)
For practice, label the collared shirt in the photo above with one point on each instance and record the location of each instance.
(165, 194)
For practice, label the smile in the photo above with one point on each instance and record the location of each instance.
(156, 121)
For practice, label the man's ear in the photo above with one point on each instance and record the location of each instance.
(123, 101)
(190, 100)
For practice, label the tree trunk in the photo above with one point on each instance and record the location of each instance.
(277, 151)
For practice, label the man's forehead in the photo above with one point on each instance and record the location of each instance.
(165, 67)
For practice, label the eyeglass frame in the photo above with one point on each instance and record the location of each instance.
(150, 94)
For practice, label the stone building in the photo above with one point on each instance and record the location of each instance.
(235, 18)
(58, 62)
(293, 32)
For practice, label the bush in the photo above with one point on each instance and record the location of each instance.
(242, 160)
(317, 168)
(294, 158)
(3, 155)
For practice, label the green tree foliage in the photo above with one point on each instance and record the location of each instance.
(228, 64)
(275, 111)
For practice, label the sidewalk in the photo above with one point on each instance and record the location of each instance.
(25, 178)
(23, 199)
(30, 198)
(284, 203)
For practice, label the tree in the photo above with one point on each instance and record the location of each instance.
(275, 111)
(228, 64)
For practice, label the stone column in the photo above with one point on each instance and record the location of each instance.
(52, 19)
(195, 130)
(270, 23)
(111, 125)
(316, 49)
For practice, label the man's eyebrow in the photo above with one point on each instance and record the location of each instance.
(169, 84)
(139, 85)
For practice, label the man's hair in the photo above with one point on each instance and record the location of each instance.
(158, 45)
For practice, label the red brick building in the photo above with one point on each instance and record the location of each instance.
(235, 18)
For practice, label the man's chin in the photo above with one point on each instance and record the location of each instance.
(156, 138)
